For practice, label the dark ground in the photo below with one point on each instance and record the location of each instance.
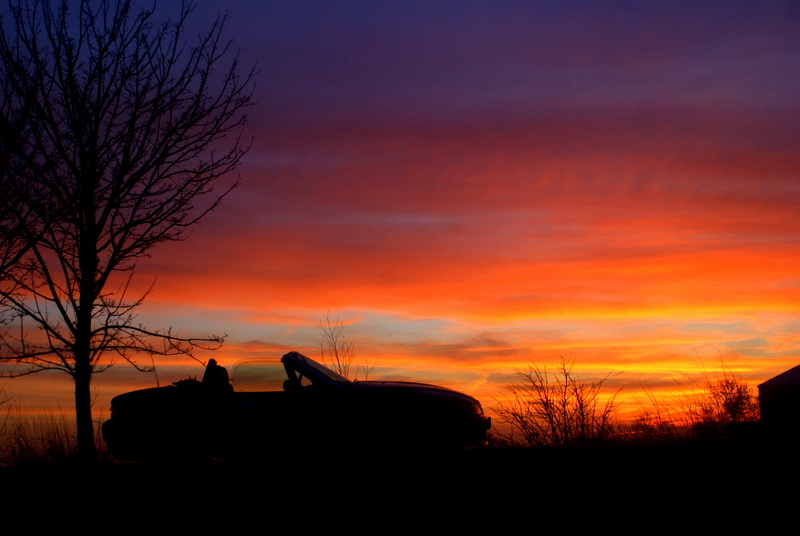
(714, 483)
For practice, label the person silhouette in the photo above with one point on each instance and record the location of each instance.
(216, 375)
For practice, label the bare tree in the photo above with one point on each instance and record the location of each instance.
(116, 132)
(336, 349)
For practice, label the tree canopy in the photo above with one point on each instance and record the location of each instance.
(117, 133)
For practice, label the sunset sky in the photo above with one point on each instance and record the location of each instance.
(473, 187)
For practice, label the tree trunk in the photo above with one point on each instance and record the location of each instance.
(87, 451)
(88, 262)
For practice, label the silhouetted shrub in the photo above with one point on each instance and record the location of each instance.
(723, 401)
(555, 409)
(653, 426)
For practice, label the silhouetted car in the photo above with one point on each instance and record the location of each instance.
(317, 410)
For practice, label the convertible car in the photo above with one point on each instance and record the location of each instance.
(316, 410)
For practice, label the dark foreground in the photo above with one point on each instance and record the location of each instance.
(718, 481)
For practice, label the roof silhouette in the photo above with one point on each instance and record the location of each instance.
(790, 376)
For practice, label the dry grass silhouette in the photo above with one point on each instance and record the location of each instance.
(45, 437)
(707, 406)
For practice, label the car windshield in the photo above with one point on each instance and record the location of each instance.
(258, 375)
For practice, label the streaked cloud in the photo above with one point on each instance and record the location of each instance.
(474, 187)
